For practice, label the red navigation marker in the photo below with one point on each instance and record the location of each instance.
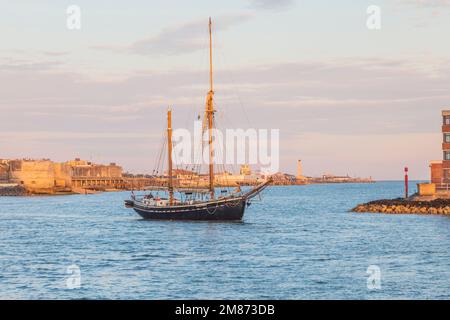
(406, 182)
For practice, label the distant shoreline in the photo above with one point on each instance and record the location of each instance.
(19, 191)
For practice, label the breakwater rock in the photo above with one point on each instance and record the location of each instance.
(405, 206)
(13, 191)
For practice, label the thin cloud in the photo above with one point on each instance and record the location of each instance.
(181, 39)
(55, 53)
(378, 98)
(22, 65)
(272, 4)
(427, 3)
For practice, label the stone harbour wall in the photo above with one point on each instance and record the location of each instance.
(100, 171)
(36, 176)
(48, 177)
(4, 172)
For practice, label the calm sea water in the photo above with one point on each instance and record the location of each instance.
(299, 243)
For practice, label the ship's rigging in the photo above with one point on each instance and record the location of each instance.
(195, 199)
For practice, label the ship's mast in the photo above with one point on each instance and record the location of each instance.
(210, 115)
(169, 154)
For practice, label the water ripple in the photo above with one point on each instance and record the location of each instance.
(300, 242)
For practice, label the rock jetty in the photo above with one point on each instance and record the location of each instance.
(13, 191)
(405, 206)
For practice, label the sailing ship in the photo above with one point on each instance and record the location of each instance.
(194, 203)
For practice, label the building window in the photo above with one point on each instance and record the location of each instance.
(446, 120)
(447, 137)
(446, 174)
(447, 155)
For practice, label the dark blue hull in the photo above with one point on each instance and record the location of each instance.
(221, 210)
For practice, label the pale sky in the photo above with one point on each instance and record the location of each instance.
(347, 100)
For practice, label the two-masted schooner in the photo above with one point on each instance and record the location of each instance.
(195, 203)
